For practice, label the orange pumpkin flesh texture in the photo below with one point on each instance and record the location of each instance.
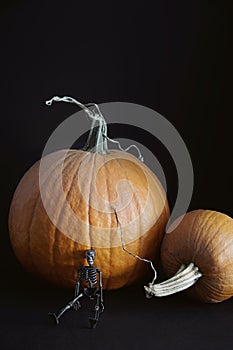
(205, 238)
(46, 251)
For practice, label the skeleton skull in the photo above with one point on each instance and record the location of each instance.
(90, 256)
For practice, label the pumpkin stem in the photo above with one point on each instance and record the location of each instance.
(184, 278)
(97, 139)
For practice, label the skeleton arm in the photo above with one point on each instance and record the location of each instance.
(100, 288)
(76, 304)
(77, 285)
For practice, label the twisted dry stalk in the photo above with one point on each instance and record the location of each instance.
(100, 139)
(185, 277)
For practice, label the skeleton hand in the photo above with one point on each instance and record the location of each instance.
(101, 307)
(77, 305)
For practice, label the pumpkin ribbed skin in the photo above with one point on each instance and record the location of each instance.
(205, 238)
(46, 251)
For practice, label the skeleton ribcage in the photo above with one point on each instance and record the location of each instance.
(88, 274)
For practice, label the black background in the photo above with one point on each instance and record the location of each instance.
(172, 56)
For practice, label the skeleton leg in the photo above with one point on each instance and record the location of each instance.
(93, 320)
(71, 304)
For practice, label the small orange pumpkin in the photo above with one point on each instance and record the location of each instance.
(41, 243)
(204, 238)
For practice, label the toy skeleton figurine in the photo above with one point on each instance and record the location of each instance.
(89, 283)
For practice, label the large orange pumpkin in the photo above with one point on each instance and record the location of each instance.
(52, 245)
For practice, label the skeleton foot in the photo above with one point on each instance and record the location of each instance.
(54, 317)
(93, 322)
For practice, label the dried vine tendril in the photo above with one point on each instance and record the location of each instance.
(97, 117)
